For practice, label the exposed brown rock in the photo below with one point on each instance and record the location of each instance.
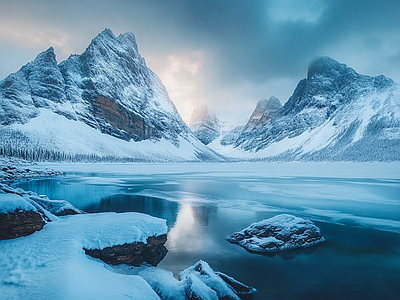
(19, 223)
(131, 124)
(67, 212)
(133, 254)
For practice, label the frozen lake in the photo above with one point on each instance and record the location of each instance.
(356, 206)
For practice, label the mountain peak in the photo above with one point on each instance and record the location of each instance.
(326, 67)
(47, 56)
(128, 38)
(264, 113)
(272, 103)
(204, 124)
(106, 33)
(200, 113)
(106, 41)
(104, 37)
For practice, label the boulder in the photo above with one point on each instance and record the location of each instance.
(134, 254)
(56, 207)
(18, 217)
(203, 283)
(280, 233)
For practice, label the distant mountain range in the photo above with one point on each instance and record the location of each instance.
(103, 103)
(335, 114)
(106, 104)
(205, 125)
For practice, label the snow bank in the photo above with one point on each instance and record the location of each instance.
(51, 264)
(12, 202)
(106, 230)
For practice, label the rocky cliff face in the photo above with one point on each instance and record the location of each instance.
(265, 111)
(333, 114)
(205, 125)
(108, 87)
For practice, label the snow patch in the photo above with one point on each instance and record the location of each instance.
(51, 264)
(12, 202)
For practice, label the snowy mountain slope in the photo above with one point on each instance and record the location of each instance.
(265, 112)
(333, 114)
(108, 88)
(205, 125)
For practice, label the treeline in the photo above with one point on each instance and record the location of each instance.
(14, 143)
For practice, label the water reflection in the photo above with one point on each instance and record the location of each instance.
(353, 262)
(182, 235)
(74, 189)
(133, 203)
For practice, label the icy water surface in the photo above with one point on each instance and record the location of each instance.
(356, 206)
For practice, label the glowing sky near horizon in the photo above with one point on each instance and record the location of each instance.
(225, 54)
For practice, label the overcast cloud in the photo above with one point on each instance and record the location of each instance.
(225, 54)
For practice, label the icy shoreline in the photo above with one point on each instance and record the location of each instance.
(53, 262)
(39, 265)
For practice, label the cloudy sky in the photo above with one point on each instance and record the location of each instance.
(227, 54)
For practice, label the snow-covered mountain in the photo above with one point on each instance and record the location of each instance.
(264, 113)
(104, 102)
(205, 125)
(333, 114)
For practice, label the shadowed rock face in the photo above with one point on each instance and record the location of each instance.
(134, 254)
(265, 111)
(19, 223)
(125, 125)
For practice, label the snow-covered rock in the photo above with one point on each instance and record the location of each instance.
(333, 114)
(109, 89)
(205, 125)
(202, 280)
(56, 207)
(280, 233)
(13, 202)
(11, 172)
(42, 203)
(18, 217)
(198, 282)
(24, 212)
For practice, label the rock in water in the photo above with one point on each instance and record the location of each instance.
(203, 283)
(280, 233)
(134, 254)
